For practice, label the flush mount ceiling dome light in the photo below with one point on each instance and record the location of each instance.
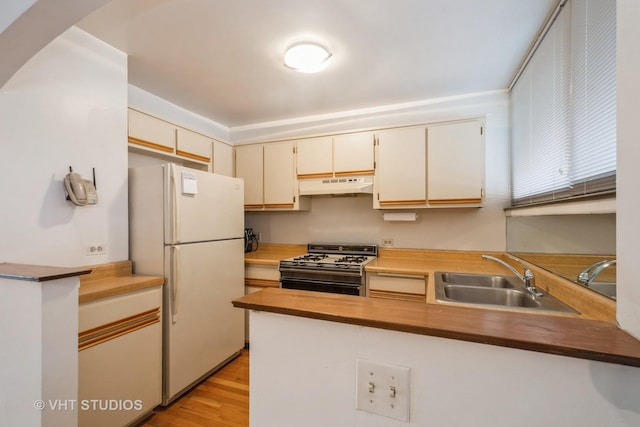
(306, 57)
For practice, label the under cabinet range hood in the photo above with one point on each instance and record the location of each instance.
(336, 186)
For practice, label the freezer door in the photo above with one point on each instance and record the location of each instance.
(202, 328)
(202, 206)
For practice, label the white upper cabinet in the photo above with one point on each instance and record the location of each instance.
(455, 163)
(150, 132)
(341, 155)
(315, 157)
(249, 167)
(193, 146)
(401, 175)
(160, 138)
(222, 158)
(268, 171)
(439, 165)
(279, 175)
(353, 154)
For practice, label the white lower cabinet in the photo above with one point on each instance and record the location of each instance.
(404, 287)
(256, 278)
(120, 358)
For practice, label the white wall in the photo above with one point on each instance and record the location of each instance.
(66, 107)
(628, 157)
(27, 26)
(303, 374)
(352, 219)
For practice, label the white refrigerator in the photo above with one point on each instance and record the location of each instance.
(188, 226)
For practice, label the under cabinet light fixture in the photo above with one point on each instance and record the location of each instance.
(307, 57)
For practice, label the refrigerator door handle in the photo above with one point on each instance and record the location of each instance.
(173, 197)
(175, 251)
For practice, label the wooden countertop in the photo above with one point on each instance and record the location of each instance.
(39, 273)
(591, 305)
(111, 279)
(425, 262)
(272, 253)
(573, 337)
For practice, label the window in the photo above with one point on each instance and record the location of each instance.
(563, 109)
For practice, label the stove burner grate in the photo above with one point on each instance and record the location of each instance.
(311, 257)
(352, 259)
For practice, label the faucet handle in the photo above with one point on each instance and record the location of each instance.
(529, 278)
(527, 271)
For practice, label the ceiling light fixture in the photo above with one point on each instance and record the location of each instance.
(306, 58)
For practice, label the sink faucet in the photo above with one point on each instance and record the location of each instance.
(585, 278)
(528, 278)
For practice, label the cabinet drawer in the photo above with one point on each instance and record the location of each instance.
(262, 275)
(115, 308)
(405, 284)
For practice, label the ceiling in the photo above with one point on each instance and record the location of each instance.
(222, 59)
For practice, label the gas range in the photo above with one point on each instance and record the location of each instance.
(333, 257)
(336, 268)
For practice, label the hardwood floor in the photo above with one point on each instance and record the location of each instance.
(220, 400)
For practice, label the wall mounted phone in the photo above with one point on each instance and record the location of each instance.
(80, 191)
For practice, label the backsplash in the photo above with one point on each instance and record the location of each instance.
(353, 220)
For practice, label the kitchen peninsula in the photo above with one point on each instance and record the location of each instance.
(547, 369)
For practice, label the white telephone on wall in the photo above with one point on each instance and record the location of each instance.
(80, 191)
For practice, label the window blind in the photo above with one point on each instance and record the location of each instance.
(563, 108)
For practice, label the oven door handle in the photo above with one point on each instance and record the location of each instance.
(325, 272)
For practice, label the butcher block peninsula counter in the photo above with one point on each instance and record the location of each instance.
(574, 337)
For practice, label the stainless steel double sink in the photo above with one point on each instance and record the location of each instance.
(493, 291)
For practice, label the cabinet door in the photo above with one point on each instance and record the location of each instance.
(353, 154)
(222, 158)
(455, 163)
(314, 158)
(249, 166)
(401, 169)
(279, 175)
(150, 132)
(120, 356)
(193, 146)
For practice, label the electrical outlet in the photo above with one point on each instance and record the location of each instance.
(383, 389)
(96, 249)
(387, 243)
(259, 237)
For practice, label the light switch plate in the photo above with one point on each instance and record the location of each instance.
(383, 389)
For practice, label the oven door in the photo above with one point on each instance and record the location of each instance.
(338, 283)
